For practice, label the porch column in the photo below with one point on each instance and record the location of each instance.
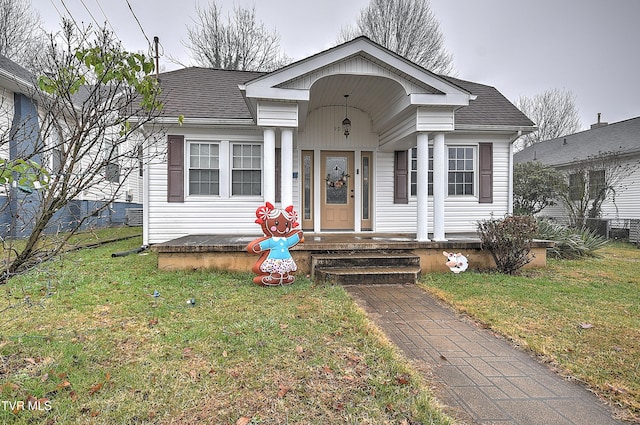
(286, 171)
(269, 176)
(422, 233)
(439, 186)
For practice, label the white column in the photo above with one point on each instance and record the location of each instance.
(439, 186)
(286, 170)
(269, 176)
(422, 233)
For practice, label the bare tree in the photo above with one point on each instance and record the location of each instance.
(92, 103)
(407, 27)
(21, 36)
(554, 112)
(592, 182)
(242, 43)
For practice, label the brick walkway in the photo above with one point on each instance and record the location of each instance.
(481, 378)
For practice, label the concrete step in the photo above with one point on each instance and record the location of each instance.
(367, 275)
(364, 259)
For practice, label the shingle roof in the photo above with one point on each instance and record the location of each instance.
(14, 71)
(213, 93)
(205, 93)
(489, 108)
(623, 137)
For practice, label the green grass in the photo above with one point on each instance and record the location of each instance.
(545, 310)
(85, 337)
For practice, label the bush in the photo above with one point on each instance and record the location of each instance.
(570, 242)
(509, 241)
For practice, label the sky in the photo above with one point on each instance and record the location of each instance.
(522, 47)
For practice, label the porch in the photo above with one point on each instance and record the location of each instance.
(227, 252)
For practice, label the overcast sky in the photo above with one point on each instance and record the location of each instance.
(522, 47)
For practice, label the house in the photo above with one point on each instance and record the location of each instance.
(25, 134)
(357, 138)
(616, 147)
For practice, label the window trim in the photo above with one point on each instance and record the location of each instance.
(414, 172)
(476, 171)
(232, 169)
(187, 168)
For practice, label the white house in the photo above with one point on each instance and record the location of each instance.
(23, 127)
(618, 141)
(356, 137)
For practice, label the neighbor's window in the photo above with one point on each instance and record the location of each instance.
(204, 168)
(461, 171)
(576, 186)
(414, 171)
(111, 166)
(596, 183)
(246, 169)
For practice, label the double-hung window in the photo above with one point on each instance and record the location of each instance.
(414, 171)
(461, 171)
(246, 169)
(204, 168)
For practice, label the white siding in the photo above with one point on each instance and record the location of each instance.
(626, 204)
(434, 119)
(461, 212)
(201, 215)
(323, 130)
(6, 117)
(277, 114)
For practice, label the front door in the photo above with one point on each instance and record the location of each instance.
(337, 191)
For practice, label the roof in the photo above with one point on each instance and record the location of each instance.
(205, 93)
(490, 108)
(14, 75)
(622, 137)
(213, 93)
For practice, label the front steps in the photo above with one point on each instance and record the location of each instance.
(357, 268)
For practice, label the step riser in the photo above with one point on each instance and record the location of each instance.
(367, 279)
(366, 262)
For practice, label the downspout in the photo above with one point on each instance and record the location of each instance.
(510, 183)
(145, 189)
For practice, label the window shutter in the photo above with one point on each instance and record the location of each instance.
(175, 169)
(486, 173)
(401, 178)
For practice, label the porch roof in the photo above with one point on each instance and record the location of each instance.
(217, 95)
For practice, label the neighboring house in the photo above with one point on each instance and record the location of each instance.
(570, 153)
(21, 120)
(408, 151)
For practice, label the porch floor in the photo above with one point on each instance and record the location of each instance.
(320, 242)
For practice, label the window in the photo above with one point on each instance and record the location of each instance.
(204, 168)
(576, 186)
(461, 171)
(414, 171)
(246, 169)
(596, 183)
(111, 167)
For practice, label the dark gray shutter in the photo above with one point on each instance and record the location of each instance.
(486, 173)
(401, 177)
(175, 169)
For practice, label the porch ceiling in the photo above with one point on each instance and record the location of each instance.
(380, 97)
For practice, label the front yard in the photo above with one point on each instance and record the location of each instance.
(583, 316)
(84, 340)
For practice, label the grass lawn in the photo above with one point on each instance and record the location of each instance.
(583, 316)
(83, 340)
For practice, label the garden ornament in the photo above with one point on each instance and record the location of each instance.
(456, 262)
(275, 265)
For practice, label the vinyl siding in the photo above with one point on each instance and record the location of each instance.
(461, 212)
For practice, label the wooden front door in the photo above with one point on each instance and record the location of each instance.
(337, 190)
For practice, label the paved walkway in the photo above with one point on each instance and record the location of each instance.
(481, 378)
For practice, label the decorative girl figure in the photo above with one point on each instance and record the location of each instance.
(275, 265)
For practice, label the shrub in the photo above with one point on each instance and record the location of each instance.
(570, 242)
(509, 241)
